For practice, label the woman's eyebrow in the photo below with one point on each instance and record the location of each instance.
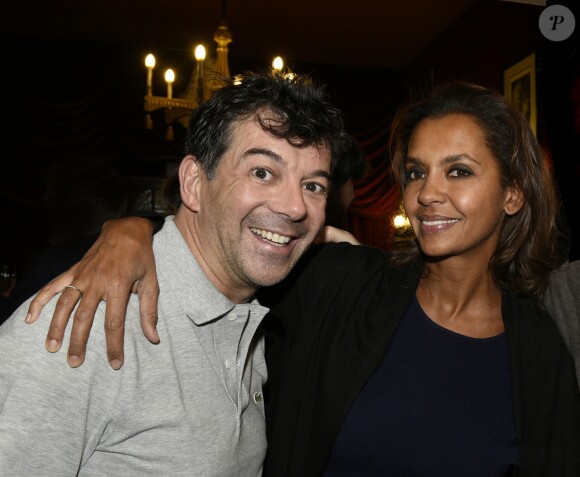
(446, 160)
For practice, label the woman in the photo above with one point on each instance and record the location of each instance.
(436, 360)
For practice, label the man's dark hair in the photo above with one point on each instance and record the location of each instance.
(292, 108)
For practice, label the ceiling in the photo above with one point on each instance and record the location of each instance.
(375, 33)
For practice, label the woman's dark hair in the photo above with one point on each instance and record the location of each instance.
(287, 107)
(526, 251)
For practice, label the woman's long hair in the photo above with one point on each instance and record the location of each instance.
(526, 251)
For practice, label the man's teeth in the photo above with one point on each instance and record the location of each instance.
(270, 236)
(439, 222)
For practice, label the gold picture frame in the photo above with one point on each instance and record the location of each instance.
(519, 87)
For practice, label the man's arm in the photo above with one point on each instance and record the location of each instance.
(51, 418)
(120, 262)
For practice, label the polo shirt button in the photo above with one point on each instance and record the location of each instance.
(232, 317)
(257, 398)
(228, 363)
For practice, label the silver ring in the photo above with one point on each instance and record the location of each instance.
(77, 289)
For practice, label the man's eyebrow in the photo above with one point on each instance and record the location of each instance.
(321, 173)
(263, 152)
(277, 158)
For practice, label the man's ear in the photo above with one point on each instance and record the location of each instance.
(514, 200)
(190, 175)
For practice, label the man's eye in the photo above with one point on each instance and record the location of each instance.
(262, 174)
(315, 187)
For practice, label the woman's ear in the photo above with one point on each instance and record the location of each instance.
(514, 200)
(189, 182)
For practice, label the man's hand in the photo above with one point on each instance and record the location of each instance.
(121, 261)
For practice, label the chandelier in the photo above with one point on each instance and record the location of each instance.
(207, 76)
(200, 87)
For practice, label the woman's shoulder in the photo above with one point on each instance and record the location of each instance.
(344, 254)
(329, 268)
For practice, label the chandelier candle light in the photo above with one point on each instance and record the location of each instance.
(207, 76)
(200, 87)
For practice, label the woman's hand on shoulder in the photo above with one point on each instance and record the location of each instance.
(330, 234)
(119, 263)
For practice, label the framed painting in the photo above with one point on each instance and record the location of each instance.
(519, 87)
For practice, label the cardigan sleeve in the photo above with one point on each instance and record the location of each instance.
(562, 300)
(545, 392)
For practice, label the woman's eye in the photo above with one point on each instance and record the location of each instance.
(315, 187)
(262, 174)
(414, 174)
(459, 172)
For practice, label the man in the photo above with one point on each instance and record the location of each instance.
(252, 196)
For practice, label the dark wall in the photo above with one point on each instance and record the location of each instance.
(490, 37)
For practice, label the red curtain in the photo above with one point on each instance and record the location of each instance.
(377, 196)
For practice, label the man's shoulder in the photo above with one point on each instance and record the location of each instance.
(25, 343)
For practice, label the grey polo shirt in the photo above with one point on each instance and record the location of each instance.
(191, 405)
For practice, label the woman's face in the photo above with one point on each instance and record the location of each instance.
(453, 197)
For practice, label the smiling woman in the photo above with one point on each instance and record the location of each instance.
(467, 147)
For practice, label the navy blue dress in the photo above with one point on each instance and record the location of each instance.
(446, 410)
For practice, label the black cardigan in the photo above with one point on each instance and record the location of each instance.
(328, 331)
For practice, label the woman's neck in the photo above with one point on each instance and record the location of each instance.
(462, 297)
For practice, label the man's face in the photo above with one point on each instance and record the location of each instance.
(260, 212)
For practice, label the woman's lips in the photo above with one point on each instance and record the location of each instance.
(436, 224)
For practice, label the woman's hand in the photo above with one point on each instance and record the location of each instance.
(121, 261)
(332, 234)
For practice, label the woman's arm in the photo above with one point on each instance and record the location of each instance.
(330, 234)
(120, 262)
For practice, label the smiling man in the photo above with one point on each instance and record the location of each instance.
(251, 199)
